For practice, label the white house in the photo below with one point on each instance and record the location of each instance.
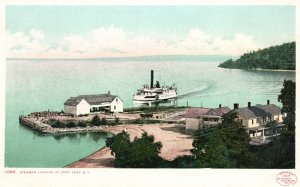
(254, 118)
(85, 104)
(274, 112)
(259, 115)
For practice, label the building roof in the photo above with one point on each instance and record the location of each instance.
(252, 112)
(91, 99)
(195, 112)
(217, 111)
(259, 111)
(73, 101)
(271, 108)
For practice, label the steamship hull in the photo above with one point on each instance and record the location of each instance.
(170, 94)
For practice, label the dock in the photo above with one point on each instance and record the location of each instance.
(39, 121)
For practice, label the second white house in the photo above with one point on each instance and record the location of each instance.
(85, 104)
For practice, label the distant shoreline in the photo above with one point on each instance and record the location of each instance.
(136, 58)
(279, 70)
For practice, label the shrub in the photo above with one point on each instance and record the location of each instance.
(57, 124)
(117, 120)
(146, 115)
(145, 121)
(82, 124)
(70, 124)
(103, 121)
(96, 121)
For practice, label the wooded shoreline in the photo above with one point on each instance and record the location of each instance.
(280, 57)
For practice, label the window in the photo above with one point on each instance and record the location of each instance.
(252, 122)
(117, 100)
(114, 107)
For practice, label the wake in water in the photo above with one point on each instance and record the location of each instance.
(194, 92)
(214, 94)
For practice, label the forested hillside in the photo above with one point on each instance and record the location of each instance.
(275, 57)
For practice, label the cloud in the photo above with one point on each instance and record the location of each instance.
(115, 42)
(237, 46)
(36, 35)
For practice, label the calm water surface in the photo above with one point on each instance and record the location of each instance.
(42, 85)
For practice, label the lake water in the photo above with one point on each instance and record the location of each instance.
(46, 85)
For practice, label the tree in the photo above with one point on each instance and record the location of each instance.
(210, 150)
(96, 121)
(186, 161)
(141, 153)
(276, 57)
(224, 146)
(287, 97)
(145, 152)
(237, 141)
(272, 127)
(119, 145)
(280, 153)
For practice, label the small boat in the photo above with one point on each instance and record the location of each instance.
(155, 93)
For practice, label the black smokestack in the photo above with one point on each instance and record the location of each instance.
(152, 77)
(268, 102)
(220, 106)
(249, 104)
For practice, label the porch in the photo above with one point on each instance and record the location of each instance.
(262, 135)
(100, 108)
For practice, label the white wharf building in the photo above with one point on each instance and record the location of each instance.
(85, 104)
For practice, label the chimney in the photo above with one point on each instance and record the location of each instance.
(220, 106)
(268, 102)
(108, 93)
(249, 104)
(235, 106)
(152, 77)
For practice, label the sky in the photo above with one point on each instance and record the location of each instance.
(126, 31)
